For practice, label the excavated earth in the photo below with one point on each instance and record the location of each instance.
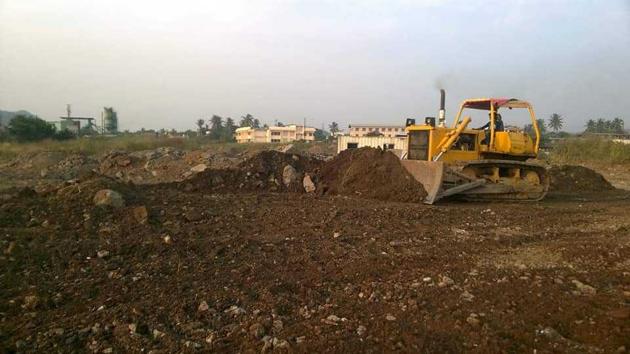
(244, 263)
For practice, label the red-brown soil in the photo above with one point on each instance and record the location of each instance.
(577, 179)
(369, 173)
(247, 270)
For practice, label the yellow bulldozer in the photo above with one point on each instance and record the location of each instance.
(494, 163)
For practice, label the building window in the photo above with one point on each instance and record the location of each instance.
(275, 140)
(362, 129)
(353, 145)
(275, 133)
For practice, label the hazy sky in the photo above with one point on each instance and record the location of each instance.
(164, 64)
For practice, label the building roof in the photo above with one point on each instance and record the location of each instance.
(376, 125)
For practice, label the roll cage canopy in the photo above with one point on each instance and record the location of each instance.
(493, 105)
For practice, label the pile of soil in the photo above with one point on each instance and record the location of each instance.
(575, 179)
(262, 172)
(370, 173)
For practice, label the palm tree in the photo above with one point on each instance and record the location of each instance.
(555, 122)
(216, 126)
(200, 123)
(333, 127)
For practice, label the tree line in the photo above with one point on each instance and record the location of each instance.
(601, 125)
(26, 128)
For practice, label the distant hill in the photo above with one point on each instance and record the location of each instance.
(6, 116)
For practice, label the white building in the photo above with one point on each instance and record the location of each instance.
(375, 129)
(284, 134)
(396, 144)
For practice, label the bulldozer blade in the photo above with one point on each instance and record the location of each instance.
(430, 174)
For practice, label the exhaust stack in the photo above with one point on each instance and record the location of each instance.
(442, 116)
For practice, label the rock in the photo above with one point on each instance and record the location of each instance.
(309, 186)
(167, 239)
(108, 350)
(279, 343)
(257, 330)
(157, 334)
(193, 215)
(277, 325)
(110, 198)
(361, 330)
(119, 174)
(426, 279)
(337, 234)
(584, 288)
(10, 248)
(199, 168)
(140, 214)
(300, 339)
(30, 302)
(445, 281)
(390, 317)
(473, 320)
(102, 254)
(466, 296)
(203, 307)
(289, 175)
(235, 311)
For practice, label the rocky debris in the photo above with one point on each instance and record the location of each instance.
(289, 175)
(268, 170)
(390, 317)
(584, 289)
(235, 311)
(309, 186)
(473, 320)
(466, 296)
(361, 330)
(553, 335)
(257, 330)
(445, 281)
(167, 239)
(203, 307)
(102, 254)
(30, 302)
(110, 198)
(369, 173)
(140, 214)
(577, 179)
(199, 168)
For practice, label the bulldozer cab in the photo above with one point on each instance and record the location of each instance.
(511, 141)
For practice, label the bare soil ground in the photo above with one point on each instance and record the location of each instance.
(250, 269)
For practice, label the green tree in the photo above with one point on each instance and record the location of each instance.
(228, 130)
(600, 125)
(27, 128)
(617, 126)
(216, 127)
(555, 122)
(247, 121)
(279, 124)
(591, 126)
(200, 126)
(333, 128)
(320, 135)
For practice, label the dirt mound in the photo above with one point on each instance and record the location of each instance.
(573, 179)
(264, 171)
(370, 173)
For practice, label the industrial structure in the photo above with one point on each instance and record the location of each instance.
(283, 134)
(78, 125)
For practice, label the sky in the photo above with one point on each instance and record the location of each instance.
(165, 64)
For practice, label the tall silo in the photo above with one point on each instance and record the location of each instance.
(110, 121)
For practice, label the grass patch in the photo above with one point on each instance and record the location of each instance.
(590, 150)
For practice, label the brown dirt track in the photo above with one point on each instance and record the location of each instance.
(313, 273)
